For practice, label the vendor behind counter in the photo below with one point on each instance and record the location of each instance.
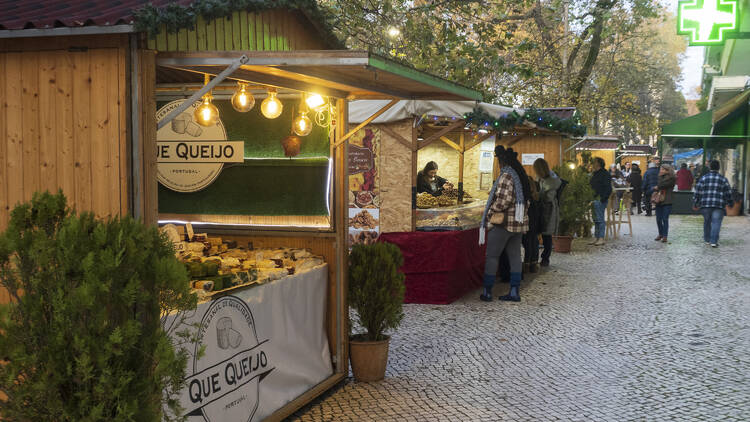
(428, 180)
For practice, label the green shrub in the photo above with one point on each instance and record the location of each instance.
(376, 288)
(82, 335)
(575, 202)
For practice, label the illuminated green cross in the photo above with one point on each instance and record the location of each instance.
(706, 21)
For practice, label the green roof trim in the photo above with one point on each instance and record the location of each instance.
(409, 72)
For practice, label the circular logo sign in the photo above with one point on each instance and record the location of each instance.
(225, 380)
(187, 176)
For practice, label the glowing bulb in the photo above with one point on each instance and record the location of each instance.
(572, 166)
(271, 107)
(302, 125)
(242, 100)
(314, 101)
(206, 114)
(393, 32)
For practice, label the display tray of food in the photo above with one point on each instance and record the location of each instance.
(217, 267)
(455, 217)
(448, 198)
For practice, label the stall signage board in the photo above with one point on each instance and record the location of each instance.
(528, 159)
(250, 367)
(486, 161)
(707, 22)
(364, 186)
(190, 156)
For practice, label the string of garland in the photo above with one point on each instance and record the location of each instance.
(480, 119)
(174, 17)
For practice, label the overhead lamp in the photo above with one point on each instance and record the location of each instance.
(242, 100)
(393, 32)
(302, 124)
(271, 107)
(206, 114)
(483, 131)
(315, 101)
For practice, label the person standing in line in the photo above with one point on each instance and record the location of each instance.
(505, 220)
(650, 180)
(601, 183)
(626, 171)
(635, 181)
(712, 194)
(684, 178)
(531, 237)
(663, 208)
(549, 183)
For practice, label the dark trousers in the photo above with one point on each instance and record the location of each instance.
(647, 203)
(530, 247)
(547, 242)
(662, 219)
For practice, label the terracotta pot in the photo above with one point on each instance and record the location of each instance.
(734, 210)
(561, 244)
(369, 359)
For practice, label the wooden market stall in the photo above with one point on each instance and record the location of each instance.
(603, 146)
(96, 110)
(443, 259)
(639, 154)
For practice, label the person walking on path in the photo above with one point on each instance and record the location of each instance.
(549, 184)
(635, 181)
(505, 220)
(650, 180)
(665, 186)
(601, 183)
(684, 178)
(712, 194)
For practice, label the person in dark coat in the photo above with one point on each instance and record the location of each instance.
(601, 183)
(428, 180)
(635, 179)
(531, 238)
(650, 180)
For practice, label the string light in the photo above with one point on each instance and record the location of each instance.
(206, 114)
(242, 100)
(271, 107)
(302, 124)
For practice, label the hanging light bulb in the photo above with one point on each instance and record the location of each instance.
(302, 124)
(242, 100)
(206, 114)
(314, 101)
(271, 107)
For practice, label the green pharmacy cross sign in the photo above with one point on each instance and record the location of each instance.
(707, 22)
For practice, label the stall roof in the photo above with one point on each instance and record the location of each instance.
(693, 126)
(561, 112)
(359, 111)
(338, 73)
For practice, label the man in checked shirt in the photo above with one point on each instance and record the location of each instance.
(712, 194)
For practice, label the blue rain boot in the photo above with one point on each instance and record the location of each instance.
(488, 282)
(515, 283)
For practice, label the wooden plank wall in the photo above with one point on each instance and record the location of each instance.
(62, 126)
(147, 121)
(549, 145)
(271, 30)
(321, 246)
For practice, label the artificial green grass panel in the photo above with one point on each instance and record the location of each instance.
(257, 187)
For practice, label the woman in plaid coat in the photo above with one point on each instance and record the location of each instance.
(505, 220)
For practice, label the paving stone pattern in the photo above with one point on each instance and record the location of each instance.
(635, 330)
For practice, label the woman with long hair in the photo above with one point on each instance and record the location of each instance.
(428, 180)
(549, 183)
(663, 208)
(504, 221)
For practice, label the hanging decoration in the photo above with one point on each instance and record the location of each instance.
(302, 124)
(482, 121)
(242, 100)
(271, 107)
(206, 114)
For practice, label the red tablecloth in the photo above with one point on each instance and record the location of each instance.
(440, 267)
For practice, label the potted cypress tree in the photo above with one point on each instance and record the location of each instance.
(574, 207)
(81, 336)
(376, 293)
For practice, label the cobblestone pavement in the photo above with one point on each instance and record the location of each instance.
(635, 330)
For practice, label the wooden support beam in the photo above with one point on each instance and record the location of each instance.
(443, 132)
(395, 135)
(367, 121)
(414, 171)
(453, 144)
(341, 218)
(461, 146)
